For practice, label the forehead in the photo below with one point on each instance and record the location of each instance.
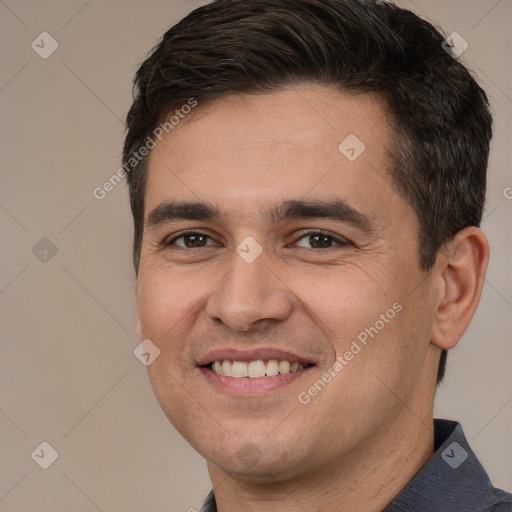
(243, 151)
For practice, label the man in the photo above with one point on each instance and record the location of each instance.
(307, 178)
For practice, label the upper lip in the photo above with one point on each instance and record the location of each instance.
(265, 353)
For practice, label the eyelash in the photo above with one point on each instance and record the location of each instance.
(339, 241)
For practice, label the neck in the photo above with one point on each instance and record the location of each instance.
(366, 480)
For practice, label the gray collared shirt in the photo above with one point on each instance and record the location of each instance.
(453, 480)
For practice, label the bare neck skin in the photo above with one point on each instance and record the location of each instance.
(366, 481)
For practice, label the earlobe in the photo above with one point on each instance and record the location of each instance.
(463, 264)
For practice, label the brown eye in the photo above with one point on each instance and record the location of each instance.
(321, 240)
(191, 240)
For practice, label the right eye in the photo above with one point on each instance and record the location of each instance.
(191, 240)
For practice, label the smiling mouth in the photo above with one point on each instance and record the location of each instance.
(255, 369)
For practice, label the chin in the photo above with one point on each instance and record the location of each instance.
(257, 461)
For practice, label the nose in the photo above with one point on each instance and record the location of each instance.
(250, 295)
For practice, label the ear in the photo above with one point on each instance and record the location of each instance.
(462, 266)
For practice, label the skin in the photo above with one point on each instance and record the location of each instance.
(362, 438)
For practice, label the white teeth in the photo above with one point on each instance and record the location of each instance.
(284, 367)
(295, 367)
(217, 368)
(255, 369)
(239, 369)
(272, 367)
(227, 368)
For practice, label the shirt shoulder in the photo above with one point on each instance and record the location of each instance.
(452, 480)
(503, 501)
(501, 507)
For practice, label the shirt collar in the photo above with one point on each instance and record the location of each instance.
(209, 504)
(452, 480)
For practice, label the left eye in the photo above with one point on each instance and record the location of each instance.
(320, 240)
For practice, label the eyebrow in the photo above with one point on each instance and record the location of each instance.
(338, 210)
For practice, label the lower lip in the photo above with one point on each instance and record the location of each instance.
(248, 386)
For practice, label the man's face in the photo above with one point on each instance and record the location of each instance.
(253, 286)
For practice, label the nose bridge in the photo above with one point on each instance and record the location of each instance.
(249, 292)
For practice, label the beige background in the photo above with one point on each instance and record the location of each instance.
(67, 372)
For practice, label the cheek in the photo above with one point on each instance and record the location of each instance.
(396, 356)
(368, 322)
(165, 306)
(346, 301)
(164, 301)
